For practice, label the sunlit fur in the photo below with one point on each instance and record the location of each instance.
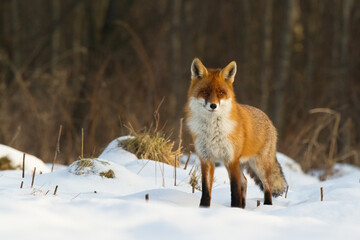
(231, 133)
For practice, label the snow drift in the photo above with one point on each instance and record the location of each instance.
(90, 206)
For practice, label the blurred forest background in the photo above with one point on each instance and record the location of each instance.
(99, 64)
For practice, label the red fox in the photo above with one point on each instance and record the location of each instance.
(237, 135)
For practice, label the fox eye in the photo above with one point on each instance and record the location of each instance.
(221, 93)
(204, 92)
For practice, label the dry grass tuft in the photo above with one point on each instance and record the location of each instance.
(5, 164)
(87, 166)
(83, 163)
(109, 174)
(195, 178)
(151, 145)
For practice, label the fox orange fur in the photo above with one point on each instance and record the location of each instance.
(235, 134)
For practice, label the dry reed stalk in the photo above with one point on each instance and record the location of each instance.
(18, 130)
(22, 183)
(33, 177)
(175, 171)
(321, 194)
(75, 196)
(180, 134)
(163, 175)
(191, 169)
(82, 143)
(187, 161)
(287, 189)
(143, 166)
(147, 197)
(23, 166)
(57, 150)
(177, 157)
(157, 115)
(155, 172)
(258, 203)
(47, 192)
(56, 188)
(157, 120)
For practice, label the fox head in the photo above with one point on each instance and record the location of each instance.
(211, 90)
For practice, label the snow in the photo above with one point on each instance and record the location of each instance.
(88, 206)
(16, 159)
(116, 154)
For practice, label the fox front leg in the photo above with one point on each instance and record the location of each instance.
(207, 177)
(235, 184)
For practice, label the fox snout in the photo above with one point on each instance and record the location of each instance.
(200, 104)
(211, 107)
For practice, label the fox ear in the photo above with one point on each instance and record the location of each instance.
(198, 70)
(228, 72)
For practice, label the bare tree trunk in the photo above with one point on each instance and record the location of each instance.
(266, 55)
(188, 42)
(335, 53)
(15, 21)
(344, 50)
(310, 26)
(284, 65)
(201, 26)
(335, 84)
(55, 40)
(78, 33)
(246, 37)
(176, 7)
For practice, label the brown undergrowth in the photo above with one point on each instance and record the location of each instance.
(324, 141)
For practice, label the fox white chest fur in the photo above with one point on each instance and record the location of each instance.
(211, 129)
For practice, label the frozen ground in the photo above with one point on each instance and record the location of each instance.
(93, 207)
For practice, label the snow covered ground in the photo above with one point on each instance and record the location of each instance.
(89, 206)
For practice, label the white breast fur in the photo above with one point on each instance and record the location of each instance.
(211, 130)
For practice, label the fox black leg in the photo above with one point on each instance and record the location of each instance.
(235, 184)
(207, 176)
(243, 189)
(267, 197)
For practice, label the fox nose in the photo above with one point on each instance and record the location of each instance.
(213, 106)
